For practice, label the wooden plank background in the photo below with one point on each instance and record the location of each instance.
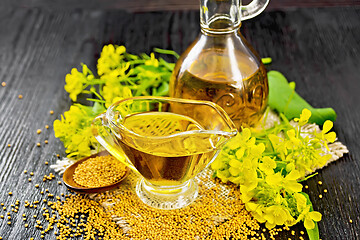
(318, 48)
(159, 5)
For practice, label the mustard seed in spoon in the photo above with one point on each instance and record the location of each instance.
(99, 171)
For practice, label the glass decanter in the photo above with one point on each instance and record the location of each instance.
(221, 66)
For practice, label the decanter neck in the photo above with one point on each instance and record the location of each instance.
(220, 16)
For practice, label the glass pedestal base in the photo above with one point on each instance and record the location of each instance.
(169, 197)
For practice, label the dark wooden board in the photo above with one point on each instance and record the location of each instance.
(156, 5)
(318, 48)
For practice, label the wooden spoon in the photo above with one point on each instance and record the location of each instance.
(68, 177)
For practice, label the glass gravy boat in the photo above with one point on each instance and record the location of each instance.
(168, 141)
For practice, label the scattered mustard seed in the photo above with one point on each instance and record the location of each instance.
(320, 182)
(25, 171)
(3, 84)
(320, 196)
(306, 186)
(29, 179)
(38, 131)
(38, 144)
(26, 225)
(47, 126)
(10, 193)
(46, 163)
(46, 141)
(351, 221)
(325, 190)
(32, 174)
(20, 96)
(1, 216)
(36, 185)
(9, 145)
(51, 112)
(9, 223)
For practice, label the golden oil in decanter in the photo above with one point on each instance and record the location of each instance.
(240, 90)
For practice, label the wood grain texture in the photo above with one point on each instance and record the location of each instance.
(172, 5)
(318, 48)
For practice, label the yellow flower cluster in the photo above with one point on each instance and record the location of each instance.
(267, 169)
(77, 81)
(119, 75)
(74, 130)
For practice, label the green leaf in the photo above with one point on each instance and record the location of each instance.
(312, 233)
(98, 108)
(284, 99)
(163, 90)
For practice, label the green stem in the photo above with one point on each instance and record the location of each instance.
(96, 100)
(169, 52)
(98, 95)
(307, 177)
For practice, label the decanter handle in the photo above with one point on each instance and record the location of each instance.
(253, 9)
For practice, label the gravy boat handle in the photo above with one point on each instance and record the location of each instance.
(103, 135)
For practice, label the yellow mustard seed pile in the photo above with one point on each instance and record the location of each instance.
(99, 172)
(121, 215)
(217, 213)
(211, 216)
